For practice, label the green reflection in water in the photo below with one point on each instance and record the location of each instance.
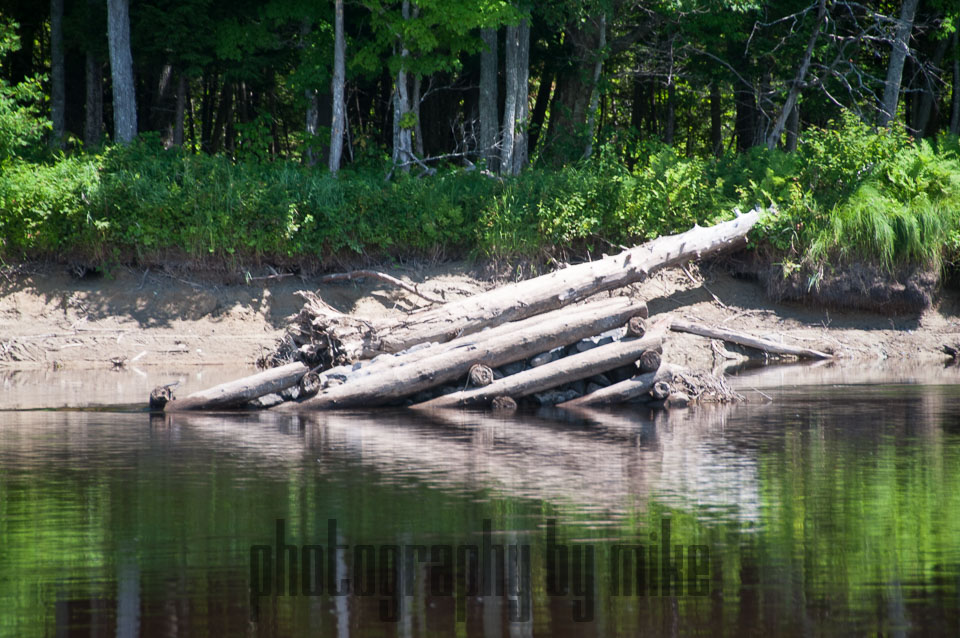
(821, 515)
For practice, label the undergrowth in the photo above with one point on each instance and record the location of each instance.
(847, 193)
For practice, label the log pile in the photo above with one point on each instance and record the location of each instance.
(551, 340)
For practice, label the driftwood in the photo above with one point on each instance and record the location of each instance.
(447, 362)
(743, 339)
(550, 375)
(351, 339)
(623, 392)
(236, 393)
(589, 312)
(649, 361)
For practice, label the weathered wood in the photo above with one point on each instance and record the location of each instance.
(743, 339)
(445, 363)
(589, 311)
(633, 389)
(571, 368)
(523, 299)
(480, 375)
(636, 327)
(660, 390)
(650, 361)
(236, 393)
(503, 404)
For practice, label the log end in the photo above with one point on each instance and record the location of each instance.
(160, 396)
(503, 404)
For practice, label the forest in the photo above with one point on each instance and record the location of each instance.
(295, 132)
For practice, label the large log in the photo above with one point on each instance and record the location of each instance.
(550, 375)
(447, 362)
(632, 389)
(354, 339)
(588, 312)
(743, 339)
(236, 393)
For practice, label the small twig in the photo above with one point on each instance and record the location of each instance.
(359, 274)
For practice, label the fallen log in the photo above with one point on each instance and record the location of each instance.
(444, 363)
(353, 339)
(236, 393)
(550, 375)
(743, 339)
(590, 311)
(623, 392)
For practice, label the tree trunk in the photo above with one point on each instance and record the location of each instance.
(901, 47)
(565, 370)
(338, 121)
(93, 109)
(489, 120)
(443, 363)
(595, 92)
(955, 99)
(236, 393)
(523, 97)
(357, 339)
(793, 129)
(121, 70)
(566, 133)
(539, 111)
(669, 127)
(181, 109)
(402, 136)
(58, 81)
(511, 53)
(716, 120)
(415, 104)
(928, 94)
(774, 138)
(746, 116)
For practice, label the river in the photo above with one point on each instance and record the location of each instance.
(823, 509)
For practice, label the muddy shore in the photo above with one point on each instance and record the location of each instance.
(52, 320)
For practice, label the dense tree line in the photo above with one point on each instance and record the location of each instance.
(471, 81)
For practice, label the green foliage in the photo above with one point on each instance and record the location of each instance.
(21, 125)
(849, 193)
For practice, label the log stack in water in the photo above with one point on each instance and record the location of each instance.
(548, 340)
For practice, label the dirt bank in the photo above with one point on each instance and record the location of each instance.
(51, 319)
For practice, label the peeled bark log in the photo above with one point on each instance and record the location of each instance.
(358, 339)
(572, 368)
(632, 389)
(235, 393)
(750, 341)
(447, 362)
(586, 312)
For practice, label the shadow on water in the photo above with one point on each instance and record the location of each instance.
(828, 511)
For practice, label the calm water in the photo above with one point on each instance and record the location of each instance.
(832, 510)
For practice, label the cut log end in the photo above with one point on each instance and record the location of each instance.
(650, 361)
(480, 375)
(309, 384)
(160, 396)
(637, 326)
(503, 404)
(660, 390)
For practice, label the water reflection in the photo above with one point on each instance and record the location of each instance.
(833, 511)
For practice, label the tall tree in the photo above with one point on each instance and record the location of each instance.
(489, 120)
(121, 69)
(901, 47)
(337, 88)
(58, 79)
(955, 95)
(793, 95)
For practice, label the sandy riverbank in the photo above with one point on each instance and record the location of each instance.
(50, 319)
